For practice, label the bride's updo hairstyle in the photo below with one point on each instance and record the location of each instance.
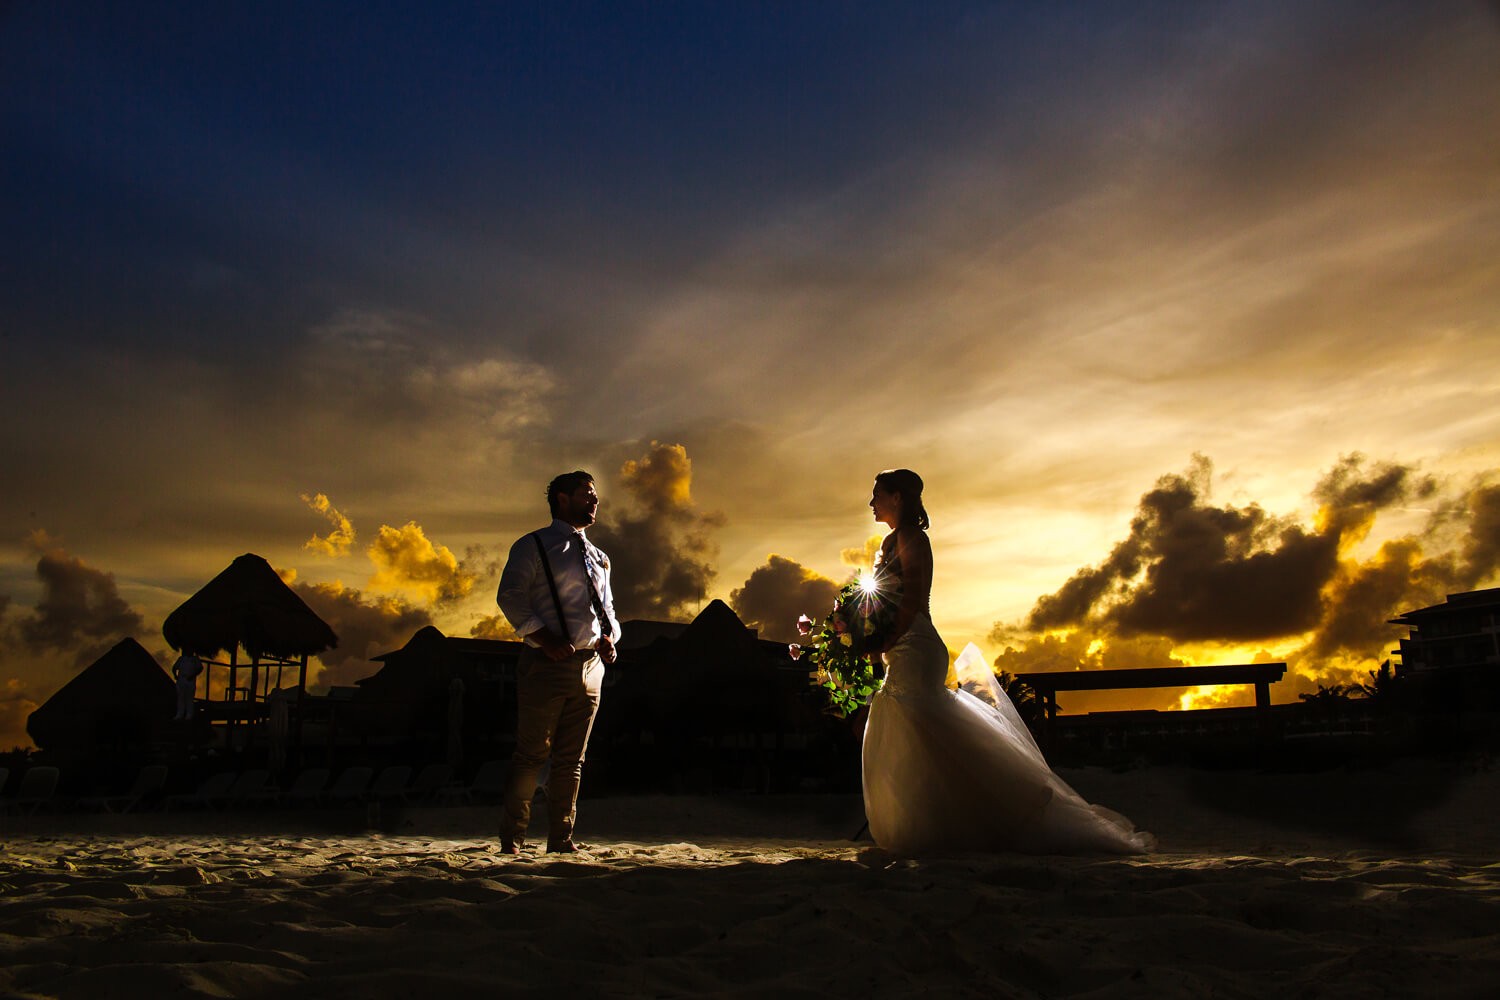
(909, 485)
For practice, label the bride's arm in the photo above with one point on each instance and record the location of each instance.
(915, 553)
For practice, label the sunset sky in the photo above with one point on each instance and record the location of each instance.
(1187, 313)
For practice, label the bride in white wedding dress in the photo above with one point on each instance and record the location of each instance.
(947, 770)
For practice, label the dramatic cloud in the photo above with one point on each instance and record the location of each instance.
(862, 558)
(17, 702)
(80, 607)
(1481, 549)
(1191, 572)
(660, 547)
(776, 593)
(77, 617)
(337, 541)
(493, 627)
(406, 560)
(1039, 258)
(1406, 573)
(366, 627)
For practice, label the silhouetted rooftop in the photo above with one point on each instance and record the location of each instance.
(248, 605)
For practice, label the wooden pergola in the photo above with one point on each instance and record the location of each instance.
(1261, 675)
(248, 607)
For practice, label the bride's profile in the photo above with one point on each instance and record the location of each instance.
(948, 770)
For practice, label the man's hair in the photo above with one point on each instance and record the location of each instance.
(565, 483)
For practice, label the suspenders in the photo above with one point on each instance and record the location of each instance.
(604, 624)
(541, 550)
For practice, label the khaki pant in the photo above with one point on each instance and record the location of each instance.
(555, 708)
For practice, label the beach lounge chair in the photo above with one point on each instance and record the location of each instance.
(38, 785)
(209, 792)
(149, 781)
(350, 785)
(487, 785)
(429, 783)
(307, 788)
(253, 785)
(390, 783)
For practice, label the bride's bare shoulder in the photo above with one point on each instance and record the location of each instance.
(910, 542)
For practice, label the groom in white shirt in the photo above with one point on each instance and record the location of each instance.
(555, 592)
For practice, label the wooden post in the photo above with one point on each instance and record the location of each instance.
(297, 710)
(1049, 712)
(1263, 709)
(234, 669)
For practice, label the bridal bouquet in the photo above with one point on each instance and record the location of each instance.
(838, 648)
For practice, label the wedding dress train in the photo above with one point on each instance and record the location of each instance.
(949, 771)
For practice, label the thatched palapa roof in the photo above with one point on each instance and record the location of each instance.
(122, 691)
(248, 605)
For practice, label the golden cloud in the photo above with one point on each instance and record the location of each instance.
(406, 560)
(493, 627)
(661, 481)
(338, 541)
(1195, 576)
(662, 550)
(862, 558)
(776, 593)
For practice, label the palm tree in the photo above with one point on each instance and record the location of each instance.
(1381, 686)
(1330, 699)
(1328, 694)
(1023, 696)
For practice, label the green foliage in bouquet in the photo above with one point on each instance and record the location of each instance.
(838, 648)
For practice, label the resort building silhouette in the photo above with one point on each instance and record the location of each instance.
(698, 706)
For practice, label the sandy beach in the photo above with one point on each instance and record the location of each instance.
(1381, 882)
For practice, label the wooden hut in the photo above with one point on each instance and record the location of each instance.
(248, 607)
(441, 697)
(710, 696)
(119, 705)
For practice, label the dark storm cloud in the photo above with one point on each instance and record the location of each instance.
(17, 702)
(776, 593)
(80, 606)
(366, 626)
(660, 547)
(77, 617)
(1190, 571)
(1353, 493)
(1193, 571)
(1410, 572)
(1481, 548)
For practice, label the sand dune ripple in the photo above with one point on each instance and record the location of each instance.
(391, 916)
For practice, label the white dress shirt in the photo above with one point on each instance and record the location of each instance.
(526, 600)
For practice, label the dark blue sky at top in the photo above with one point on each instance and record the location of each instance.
(181, 176)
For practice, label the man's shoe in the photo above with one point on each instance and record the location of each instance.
(563, 847)
(508, 846)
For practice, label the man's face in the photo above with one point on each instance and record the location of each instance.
(580, 507)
